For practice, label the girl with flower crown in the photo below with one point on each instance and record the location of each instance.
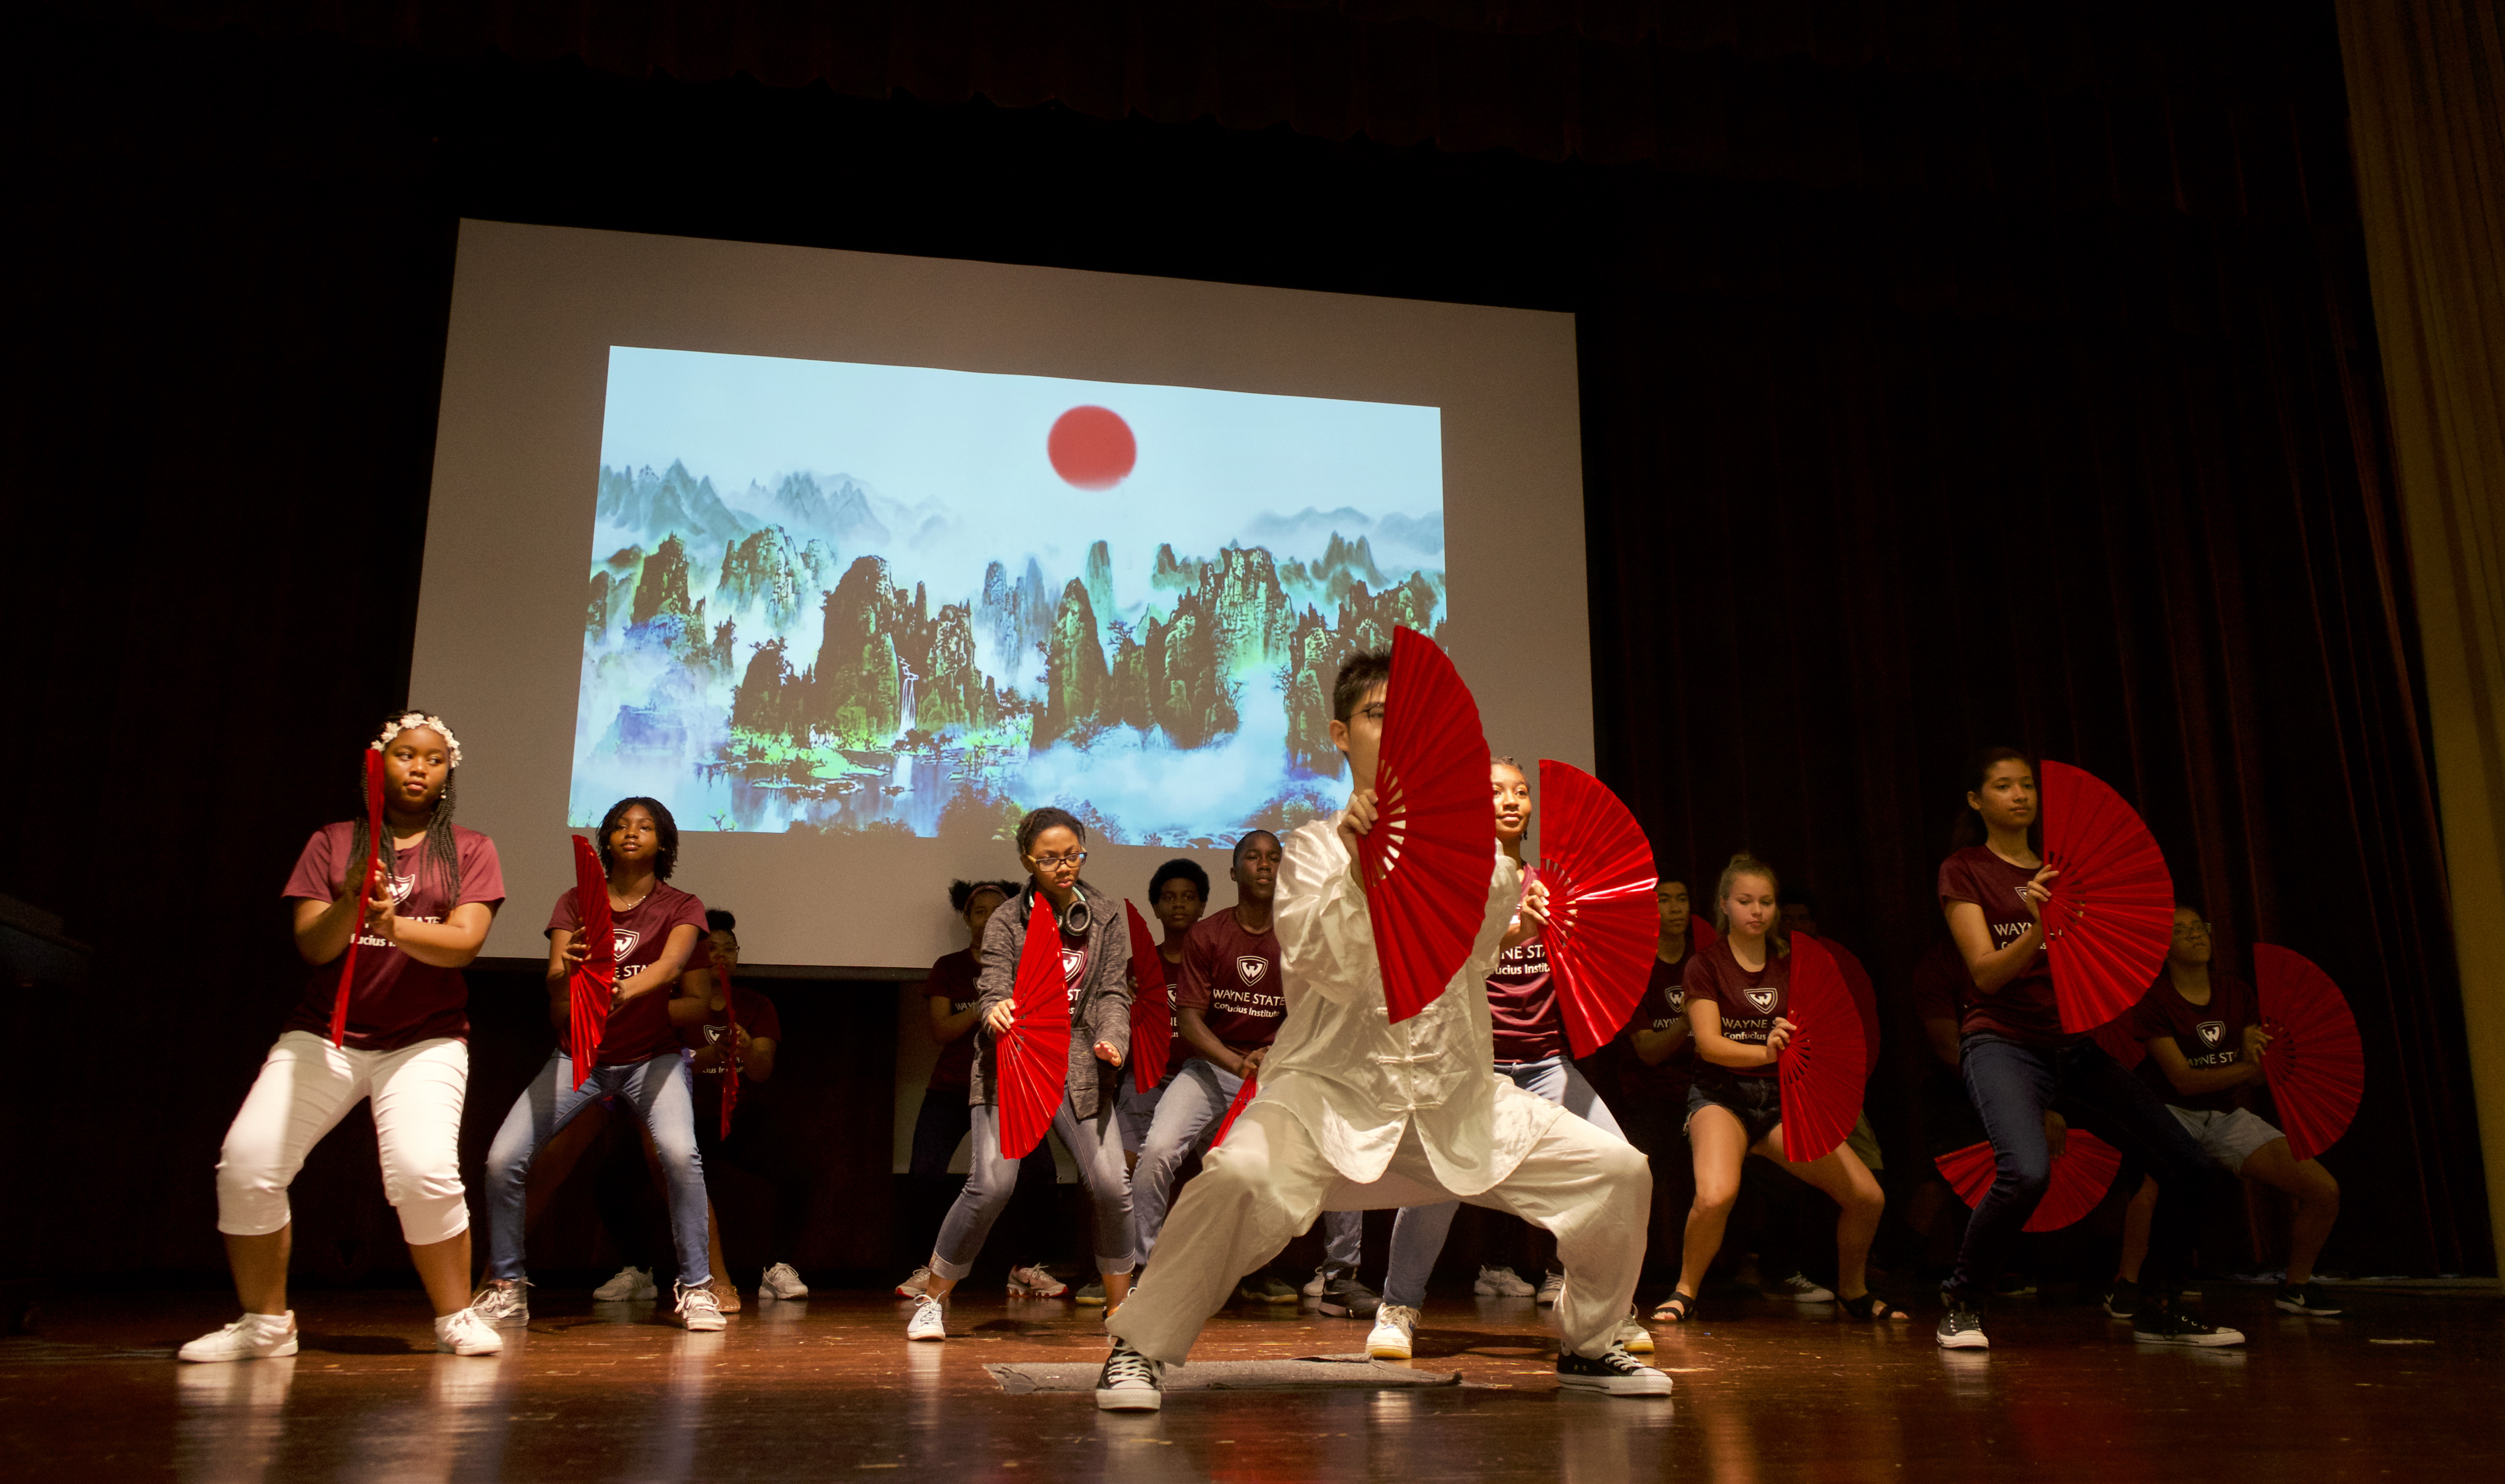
(402, 1048)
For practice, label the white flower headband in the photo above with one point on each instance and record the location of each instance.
(410, 721)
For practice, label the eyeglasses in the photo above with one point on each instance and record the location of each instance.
(2191, 929)
(1055, 863)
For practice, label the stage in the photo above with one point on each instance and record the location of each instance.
(830, 1388)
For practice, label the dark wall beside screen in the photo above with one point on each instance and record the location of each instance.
(2054, 433)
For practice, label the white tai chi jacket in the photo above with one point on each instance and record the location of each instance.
(1355, 1080)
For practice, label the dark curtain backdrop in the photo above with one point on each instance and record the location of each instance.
(1945, 381)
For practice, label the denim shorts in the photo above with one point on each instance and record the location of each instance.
(1757, 1102)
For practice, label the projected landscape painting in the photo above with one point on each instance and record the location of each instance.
(838, 597)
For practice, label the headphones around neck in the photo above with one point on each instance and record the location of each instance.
(1076, 919)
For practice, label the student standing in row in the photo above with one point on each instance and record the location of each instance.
(762, 1140)
(1656, 1063)
(656, 927)
(405, 1046)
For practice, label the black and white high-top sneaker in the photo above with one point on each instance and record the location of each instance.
(1130, 1382)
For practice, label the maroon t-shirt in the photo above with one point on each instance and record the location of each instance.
(1941, 982)
(2209, 1035)
(1522, 1004)
(953, 978)
(758, 1018)
(2022, 1010)
(1664, 1000)
(640, 1029)
(396, 1001)
(1231, 977)
(1748, 1002)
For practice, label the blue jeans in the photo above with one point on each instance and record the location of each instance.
(1197, 1096)
(658, 1091)
(1418, 1232)
(2011, 1086)
(1095, 1144)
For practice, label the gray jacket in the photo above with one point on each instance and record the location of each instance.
(1102, 1010)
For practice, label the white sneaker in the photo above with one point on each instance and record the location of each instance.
(630, 1284)
(1034, 1283)
(504, 1304)
(1634, 1337)
(465, 1333)
(1800, 1291)
(1395, 1326)
(1130, 1382)
(252, 1337)
(698, 1309)
(929, 1321)
(1501, 1283)
(782, 1281)
(1550, 1287)
(1615, 1373)
(916, 1286)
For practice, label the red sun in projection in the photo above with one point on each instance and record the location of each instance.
(1092, 447)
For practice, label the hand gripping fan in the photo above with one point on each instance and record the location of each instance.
(1427, 859)
(1151, 1007)
(1242, 1097)
(2112, 910)
(1820, 1067)
(2082, 1173)
(2315, 1063)
(592, 987)
(1034, 1059)
(729, 1046)
(1601, 921)
(368, 870)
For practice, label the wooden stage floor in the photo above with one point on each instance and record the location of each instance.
(828, 1388)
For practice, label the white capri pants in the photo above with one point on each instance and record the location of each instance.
(306, 1087)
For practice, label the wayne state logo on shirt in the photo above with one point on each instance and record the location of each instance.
(1249, 968)
(2211, 1032)
(623, 942)
(1764, 998)
(1071, 961)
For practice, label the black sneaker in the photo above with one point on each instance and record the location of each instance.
(2306, 1298)
(2123, 1300)
(1962, 1328)
(2170, 1326)
(1130, 1382)
(1615, 1372)
(1348, 1298)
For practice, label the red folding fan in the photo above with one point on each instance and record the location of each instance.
(2082, 1173)
(371, 866)
(2315, 1063)
(1243, 1098)
(730, 1045)
(1428, 857)
(1601, 922)
(1820, 1067)
(1151, 1006)
(1034, 1056)
(2112, 911)
(1700, 933)
(2119, 1044)
(592, 987)
(1866, 1000)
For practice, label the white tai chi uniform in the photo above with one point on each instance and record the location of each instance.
(1358, 1113)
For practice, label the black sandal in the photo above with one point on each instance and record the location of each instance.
(1676, 1309)
(1870, 1308)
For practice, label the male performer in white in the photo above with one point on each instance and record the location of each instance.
(1356, 1112)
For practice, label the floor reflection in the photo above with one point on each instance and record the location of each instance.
(232, 1419)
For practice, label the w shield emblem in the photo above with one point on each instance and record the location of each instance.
(1249, 968)
(623, 942)
(1763, 1000)
(1070, 963)
(2211, 1032)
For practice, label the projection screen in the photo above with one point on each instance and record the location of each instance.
(850, 560)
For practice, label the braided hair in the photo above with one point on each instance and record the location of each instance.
(439, 851)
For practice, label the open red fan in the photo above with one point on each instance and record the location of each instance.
(1034, 1059)
(2315, 1063)
(1601, 922)
(1820, 1068)
(1151, 1006)
(1427, 858)
(2082, 1173)
(370, 868)
(1866, 1000)
(1700, 933)
(1242, 1097)
(2112, 910)
(2119, 1044)
(592, 987)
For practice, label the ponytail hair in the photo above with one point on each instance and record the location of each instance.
(1744, 864)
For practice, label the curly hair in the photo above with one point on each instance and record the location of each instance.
(1179, 869)
(961, 893)
(667, 858)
